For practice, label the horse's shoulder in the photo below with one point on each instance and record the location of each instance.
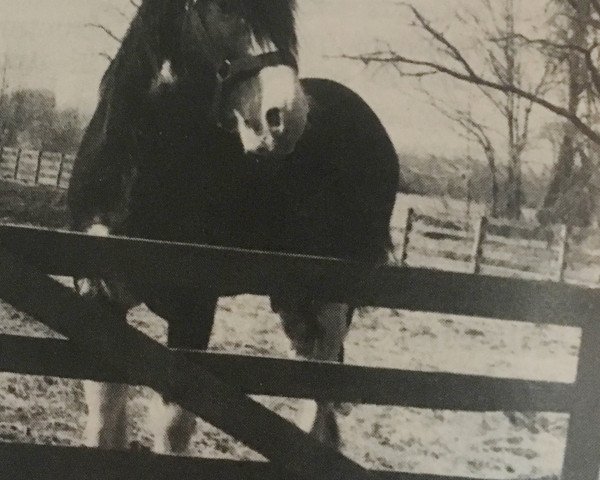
(338, 112)
(326, 91)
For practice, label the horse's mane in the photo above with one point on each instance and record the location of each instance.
(274, 19)
(107, 145)
(148, 39)
(138, 55)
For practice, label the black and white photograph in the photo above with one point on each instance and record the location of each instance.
(299, 239)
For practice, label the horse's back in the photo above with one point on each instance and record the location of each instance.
(346, 175)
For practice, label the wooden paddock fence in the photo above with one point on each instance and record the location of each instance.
(485, 229)
(214, 386)
(34, 167)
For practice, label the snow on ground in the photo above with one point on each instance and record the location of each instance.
(44, 410)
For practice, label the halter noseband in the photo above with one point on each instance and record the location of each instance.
(229, 70)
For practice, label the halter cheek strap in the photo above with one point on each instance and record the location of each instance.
(228, 70)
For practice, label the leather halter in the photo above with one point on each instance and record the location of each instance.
(228, 71)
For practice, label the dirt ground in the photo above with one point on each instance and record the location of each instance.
(49, 410)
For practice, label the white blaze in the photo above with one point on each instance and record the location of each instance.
(278, 90)
(164, 77)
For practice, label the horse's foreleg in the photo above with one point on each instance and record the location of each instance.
(190, 324)
(106, 425)
(172, 427)
(317, 332)
(107, 417)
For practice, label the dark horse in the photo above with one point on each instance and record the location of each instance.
(205, 134)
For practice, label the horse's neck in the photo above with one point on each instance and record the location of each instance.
(140, 57)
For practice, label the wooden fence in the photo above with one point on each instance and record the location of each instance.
(214, 385)
(550, 238)
(36, 167)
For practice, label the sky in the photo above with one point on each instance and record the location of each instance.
(49, 44)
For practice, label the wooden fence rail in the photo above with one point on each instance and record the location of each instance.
(234, 271)
(36, 167)
(323, 381)
(27, 462)
(201, 382)
(55, 169)
(483, 229)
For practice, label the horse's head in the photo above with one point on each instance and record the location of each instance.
(250, 49)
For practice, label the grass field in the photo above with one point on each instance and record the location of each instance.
(49, 410)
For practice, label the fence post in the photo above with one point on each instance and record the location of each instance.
(562, 254)
(17, 161)
(60, 169)
(38, 167)
(582, 454)
(410, 216)
(480, 232)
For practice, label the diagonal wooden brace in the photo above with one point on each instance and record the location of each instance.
(95, 330)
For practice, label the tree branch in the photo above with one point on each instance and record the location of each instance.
(106, 30)
(586, 52)
(469, 75)
(438, 36)
(393, 57)
(106, 55)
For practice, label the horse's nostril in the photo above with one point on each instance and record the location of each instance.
(274, 118)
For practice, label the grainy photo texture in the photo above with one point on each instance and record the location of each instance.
(299, 239)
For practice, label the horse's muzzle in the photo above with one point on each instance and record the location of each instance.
(270, 111)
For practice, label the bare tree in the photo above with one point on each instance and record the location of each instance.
(3, 99)
(457, 66)
(504, 59)
(501, 81)
(473, 131)
(552, 132)
(109, 32)
(572, 45)
(577, 48)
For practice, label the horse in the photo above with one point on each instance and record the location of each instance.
(205, 133)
